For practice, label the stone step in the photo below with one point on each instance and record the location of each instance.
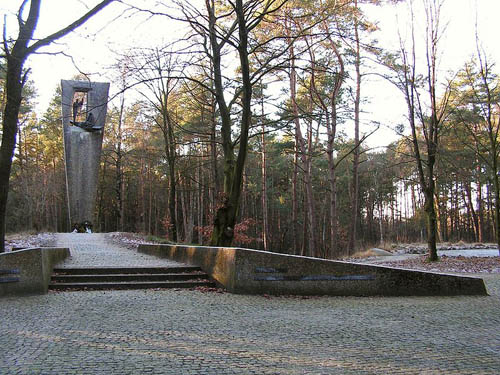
(101, 278)
(130, 285)
(58, 278)
(123, 270)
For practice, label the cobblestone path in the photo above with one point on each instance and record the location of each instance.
(89, 250)
(190, 332)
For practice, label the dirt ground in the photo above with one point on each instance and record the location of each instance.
(448, 264)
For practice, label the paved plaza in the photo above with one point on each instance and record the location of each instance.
(192, 332)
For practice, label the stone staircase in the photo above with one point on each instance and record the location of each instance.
(101, 278)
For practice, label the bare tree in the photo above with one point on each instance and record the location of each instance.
(425, 126)
(224, 29)
(477, 109)
(157, 70)
(355, 164)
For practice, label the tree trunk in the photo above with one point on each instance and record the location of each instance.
(213, 148)
(471, 211)
(172, 201)
(479, 201)
(200, 202)
(429, 205)
(295, 210)
(142, 197)
(13, 88)
(355, 163)
(305, 158)
(431, 225)
(150, 203)
(225, 217)
(120, 188)
(496, 186)
(265, 224)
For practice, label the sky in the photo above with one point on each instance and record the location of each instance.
(460, 17)
(94, 48)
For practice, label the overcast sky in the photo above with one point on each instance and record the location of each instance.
(93, 47)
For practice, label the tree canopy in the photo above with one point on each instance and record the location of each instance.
(239, 133)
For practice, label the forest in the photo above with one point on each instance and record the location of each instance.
(246, 131)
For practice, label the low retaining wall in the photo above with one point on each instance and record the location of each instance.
(247, 271)
(28, 271)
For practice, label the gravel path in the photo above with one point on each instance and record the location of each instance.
(95, 250)
(190, 332)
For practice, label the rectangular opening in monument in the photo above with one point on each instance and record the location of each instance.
(80, 105)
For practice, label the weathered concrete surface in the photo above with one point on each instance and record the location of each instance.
(82, 148)
(247, 271)
(33, 268)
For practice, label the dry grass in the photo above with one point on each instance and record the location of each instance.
(20, 235)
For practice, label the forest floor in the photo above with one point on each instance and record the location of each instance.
(445, 263)
(421, 248)
(409, 256)
(15, 241)
(414, 256)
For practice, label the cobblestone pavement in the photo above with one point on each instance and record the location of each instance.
(190, 332)
(95, 250)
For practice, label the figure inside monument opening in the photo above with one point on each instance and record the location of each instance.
(79, 106)
(82, 114)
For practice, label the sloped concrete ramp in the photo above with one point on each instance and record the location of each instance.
(246, 271)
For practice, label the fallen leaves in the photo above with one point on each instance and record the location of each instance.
(450, 264)
(23, 241)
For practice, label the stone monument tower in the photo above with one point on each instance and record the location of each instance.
(84, 106)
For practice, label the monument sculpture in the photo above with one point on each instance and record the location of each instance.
(84, 106)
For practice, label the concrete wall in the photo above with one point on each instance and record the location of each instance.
(82, 149)
(34, 267)
(258, 272)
